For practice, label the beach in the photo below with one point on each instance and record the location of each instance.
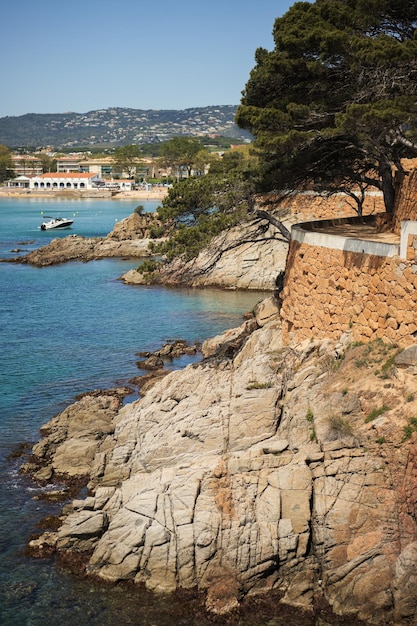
(155, 193)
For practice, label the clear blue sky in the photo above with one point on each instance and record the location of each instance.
(89, 54)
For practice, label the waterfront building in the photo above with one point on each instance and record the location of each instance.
(60, 181)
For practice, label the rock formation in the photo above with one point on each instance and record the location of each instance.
(244, 257)
(259, 468)
(130, 238)
(136, 226)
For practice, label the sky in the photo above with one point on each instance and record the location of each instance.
(84, 55)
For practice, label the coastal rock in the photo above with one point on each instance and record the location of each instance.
(244, 257)
(136, 226)
(267, 311)
(72, 438)
(147, 381)
(407, 356)
(228, 342)
(260, 468)
(71, 248)
(151, 363)
(130, 238)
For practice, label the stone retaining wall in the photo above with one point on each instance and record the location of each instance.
(311, 206)
(329, 291)
(406, 201)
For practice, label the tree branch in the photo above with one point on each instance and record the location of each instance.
(275, 222)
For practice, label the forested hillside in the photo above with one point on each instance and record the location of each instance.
(116, 127)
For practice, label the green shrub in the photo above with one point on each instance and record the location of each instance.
(361, 362)
(388, 368)
(376, 413)
(339, 425)
(256, 385)
(309, 415)
(156, 232)
(148, 267)
(408, 431)
(189, 240)
(410, 428)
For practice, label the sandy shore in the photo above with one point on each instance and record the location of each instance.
(158, 193)
(153, 194)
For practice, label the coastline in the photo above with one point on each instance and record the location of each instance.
(166, 457)
(157, 193)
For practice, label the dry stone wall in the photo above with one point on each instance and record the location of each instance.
(309, 206)
(328, 292)
(406, 203)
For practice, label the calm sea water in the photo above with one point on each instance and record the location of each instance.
(63, 330)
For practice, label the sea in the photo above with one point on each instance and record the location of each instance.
(68, 329)
(64, 330)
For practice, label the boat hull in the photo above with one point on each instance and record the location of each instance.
(56, 225)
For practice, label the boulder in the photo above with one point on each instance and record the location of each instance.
(407, 357)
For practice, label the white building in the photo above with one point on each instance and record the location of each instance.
(60, 180)
(20, 182)
(67, 164)
(121, 184)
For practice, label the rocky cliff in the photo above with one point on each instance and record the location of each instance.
(250, 256)
(260, 468)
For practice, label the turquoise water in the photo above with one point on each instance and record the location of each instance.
(64, 330)
(20, 219)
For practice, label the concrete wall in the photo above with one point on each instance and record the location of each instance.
(335, 286)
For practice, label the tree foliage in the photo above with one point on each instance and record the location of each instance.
(48, 163)
(183, 154)
(127, 159)
(334, 104)
(6, 163)
(198, 208)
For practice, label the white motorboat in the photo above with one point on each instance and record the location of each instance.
(56, 223)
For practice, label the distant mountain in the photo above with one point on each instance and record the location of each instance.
(116, 127)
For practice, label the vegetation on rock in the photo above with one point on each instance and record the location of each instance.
(198, 208)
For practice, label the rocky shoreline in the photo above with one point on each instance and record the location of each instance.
(246, 257)
(156, 193)
(130, 238)
(261, 469)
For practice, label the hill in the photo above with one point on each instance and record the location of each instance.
(116, 127)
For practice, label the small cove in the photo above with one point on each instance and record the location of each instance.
(64, 330)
